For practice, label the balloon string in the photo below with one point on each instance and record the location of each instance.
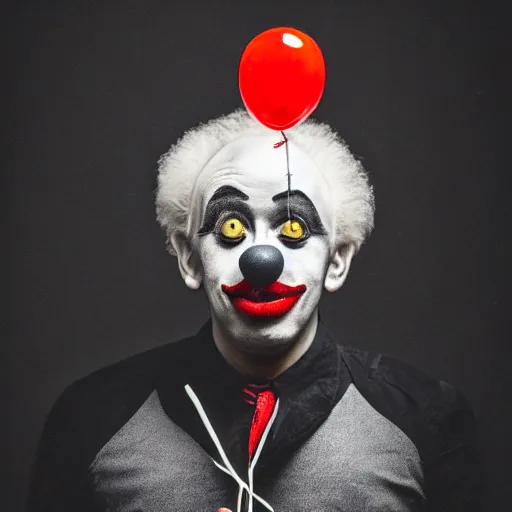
(289, 176)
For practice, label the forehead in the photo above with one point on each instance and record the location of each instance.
(259, 170)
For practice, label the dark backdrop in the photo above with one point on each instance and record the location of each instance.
(98, 90)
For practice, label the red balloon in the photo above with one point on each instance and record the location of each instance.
(281, 77)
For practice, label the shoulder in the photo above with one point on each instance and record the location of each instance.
(431, 412)
(374, 371)
(138, 374)
(92, 409)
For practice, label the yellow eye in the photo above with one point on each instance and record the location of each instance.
(232, 229)
(292, 229)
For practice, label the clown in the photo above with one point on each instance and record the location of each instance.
(263, 409)
(263, 254)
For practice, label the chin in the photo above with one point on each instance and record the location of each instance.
(260, 335)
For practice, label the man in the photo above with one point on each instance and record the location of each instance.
(262, 409)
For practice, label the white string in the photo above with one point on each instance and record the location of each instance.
(213, 435)
(258, 452)
(244, 486)
(239, 500)
(230, 470)
(264, 435)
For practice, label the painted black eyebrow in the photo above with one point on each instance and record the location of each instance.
(228, 191)
(284, 195)
(225, 198)
(300, 205)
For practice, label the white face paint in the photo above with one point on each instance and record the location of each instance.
(257, 171)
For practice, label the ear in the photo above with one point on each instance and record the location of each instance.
(338, 267)
(188, 261)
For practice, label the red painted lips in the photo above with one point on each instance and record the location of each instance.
(274, 300)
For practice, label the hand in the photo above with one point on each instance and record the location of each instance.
(223, 510)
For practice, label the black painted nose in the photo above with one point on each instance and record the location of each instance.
(261, 264)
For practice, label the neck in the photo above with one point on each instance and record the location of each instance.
(259, 366)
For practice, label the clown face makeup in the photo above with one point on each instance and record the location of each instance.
(263, 271)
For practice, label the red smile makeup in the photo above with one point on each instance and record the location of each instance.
(270, 301)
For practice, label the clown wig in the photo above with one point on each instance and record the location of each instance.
(179, 168)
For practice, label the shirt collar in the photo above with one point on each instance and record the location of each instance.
(307, 391)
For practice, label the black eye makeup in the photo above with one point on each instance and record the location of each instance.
(226, 200)
(231, 228)
(294, 232)
(301, 209)
(229, 217)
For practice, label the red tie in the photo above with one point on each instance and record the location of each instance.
(264, 400)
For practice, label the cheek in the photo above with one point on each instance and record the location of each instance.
(309, 263)
(220, 264)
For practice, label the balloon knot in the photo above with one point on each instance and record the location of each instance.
(279, 144)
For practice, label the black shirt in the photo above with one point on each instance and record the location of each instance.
(354, 432)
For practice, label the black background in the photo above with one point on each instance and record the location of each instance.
(98, 90)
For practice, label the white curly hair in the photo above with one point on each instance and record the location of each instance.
(179, 168)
